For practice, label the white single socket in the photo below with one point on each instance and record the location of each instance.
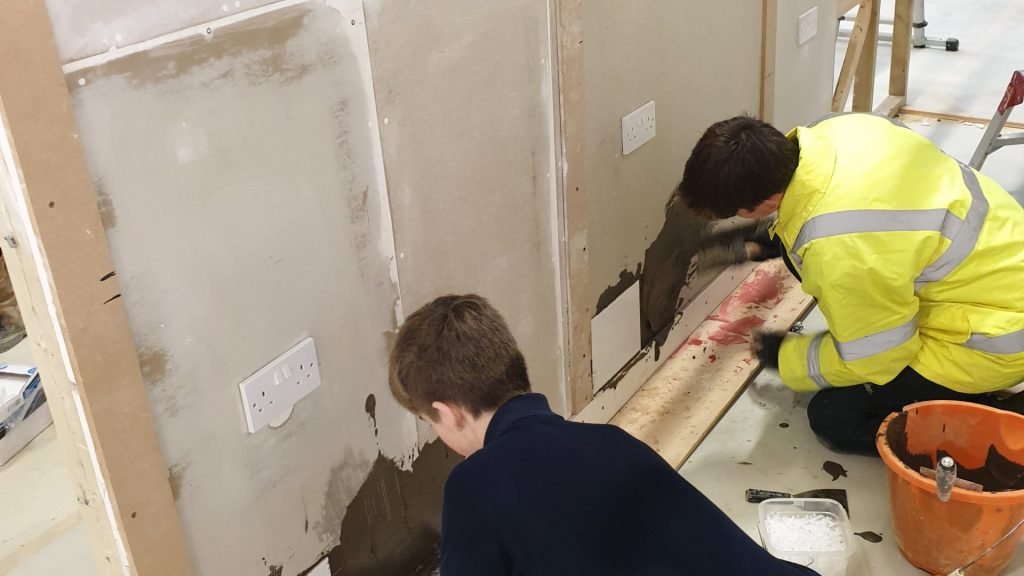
(272, 391)
(638, 128)
(807, 26)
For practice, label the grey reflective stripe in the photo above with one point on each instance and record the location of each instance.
(857, 221)
(814, 362)
(876, 343)
(1012, 343)
(962, 243)
(828, 116)
(831, 115)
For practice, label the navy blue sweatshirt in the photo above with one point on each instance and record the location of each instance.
(547, 497)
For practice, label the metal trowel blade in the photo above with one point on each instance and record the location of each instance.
(837, 494)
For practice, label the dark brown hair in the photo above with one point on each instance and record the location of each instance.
(457, 350)
(737, 164)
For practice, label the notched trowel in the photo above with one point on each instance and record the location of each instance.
(838, 494)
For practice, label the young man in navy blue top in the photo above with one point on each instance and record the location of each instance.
(538, 495)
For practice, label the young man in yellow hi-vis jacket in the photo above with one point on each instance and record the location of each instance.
(916, 260)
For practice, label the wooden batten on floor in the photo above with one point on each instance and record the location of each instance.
(909, 112)
(677, 408)
(891, 106)
(63, 275)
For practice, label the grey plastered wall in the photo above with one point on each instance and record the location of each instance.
(700, 62)
(804, 74)
(237, 181)
(464, 93)
(245, 209)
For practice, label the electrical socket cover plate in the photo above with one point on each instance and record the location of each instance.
(638, 128)
(271, 392)
(807, 26)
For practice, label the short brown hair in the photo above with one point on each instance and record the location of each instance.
(737, 164)
(457, 350)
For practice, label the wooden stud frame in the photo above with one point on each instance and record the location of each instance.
(861, 54)
(63, 276)
(573, 191)
(899, 71)
(865, 31)
(864, 77)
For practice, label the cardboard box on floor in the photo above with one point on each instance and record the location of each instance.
(24, 413)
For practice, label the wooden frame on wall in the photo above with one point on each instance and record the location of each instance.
(66, 286)
(769, 17)
(573, 192)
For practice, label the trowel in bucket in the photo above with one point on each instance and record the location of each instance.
(755, 496)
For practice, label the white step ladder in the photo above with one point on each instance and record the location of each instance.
(918, 37)
(993, 138)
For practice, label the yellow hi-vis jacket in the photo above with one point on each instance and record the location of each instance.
(915, 260)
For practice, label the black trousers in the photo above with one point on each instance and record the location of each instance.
(847, 419)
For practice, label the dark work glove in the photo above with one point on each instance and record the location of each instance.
(751, 242)
(759, 243)
(765, 346)
(761, 251)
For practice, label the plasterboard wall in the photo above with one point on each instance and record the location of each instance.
(700, 63)
(804, 74)
(464, 93)
(242, 187)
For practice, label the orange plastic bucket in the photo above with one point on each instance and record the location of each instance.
(940, 537)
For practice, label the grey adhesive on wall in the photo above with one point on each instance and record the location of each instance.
(700, 62)
(236, 175)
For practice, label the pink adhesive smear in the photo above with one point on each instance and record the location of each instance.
(763, 287)
(737, 331)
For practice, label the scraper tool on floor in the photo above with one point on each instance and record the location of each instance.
(755, 496)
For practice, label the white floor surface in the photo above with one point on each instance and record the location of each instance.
(41, 533)
(971, 81)
(749, 449)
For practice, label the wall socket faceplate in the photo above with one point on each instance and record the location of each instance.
(807, 26)
(271, 392)
(638, 128)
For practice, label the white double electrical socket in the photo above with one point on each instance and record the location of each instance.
(807, 26)
(638, 128)
(270, 393)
